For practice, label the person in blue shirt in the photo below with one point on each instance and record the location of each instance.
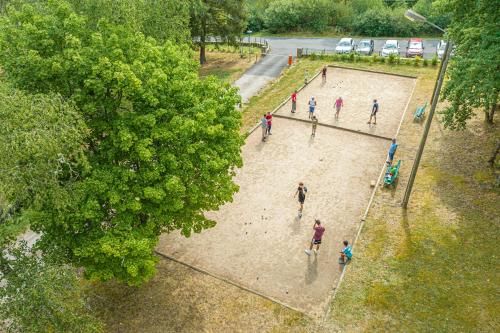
(346, 253)
(392, 150)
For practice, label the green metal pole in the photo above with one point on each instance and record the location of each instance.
(427, 127)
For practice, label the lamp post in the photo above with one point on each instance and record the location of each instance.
(413, 16)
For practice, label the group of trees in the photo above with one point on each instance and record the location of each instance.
(109, 138)
(474, 72)
(364, 17)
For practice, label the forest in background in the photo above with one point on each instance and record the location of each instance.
(360, 17)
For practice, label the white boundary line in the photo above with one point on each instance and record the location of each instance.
(360, 228)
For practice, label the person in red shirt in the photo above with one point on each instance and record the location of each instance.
(269, 118)
(323, 74)
(294, 101)
(319, 230)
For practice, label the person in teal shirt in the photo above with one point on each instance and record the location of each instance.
(392, 150)
(346, 253)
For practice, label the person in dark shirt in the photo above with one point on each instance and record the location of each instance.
(301, 191)
(374, 113)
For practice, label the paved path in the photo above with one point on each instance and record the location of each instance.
(271, 66)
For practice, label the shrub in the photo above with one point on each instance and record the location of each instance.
(382, 60)
(287, 15)
(434, 61)
(417, 61)
(336, 57)
(374, 58)
(383, 21)
(392, 58)
(425, 63)
(344, 57)
(351, 57)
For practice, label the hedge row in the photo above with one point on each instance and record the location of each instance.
(375, 58)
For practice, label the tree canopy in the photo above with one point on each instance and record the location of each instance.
(42, 150)
(162, 147)
(41, 294)
(474, 70)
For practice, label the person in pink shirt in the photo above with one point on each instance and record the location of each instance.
(294, 101)
(339, 103)
(319, 230)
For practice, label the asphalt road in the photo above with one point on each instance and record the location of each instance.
(271, 66)
(287, 46)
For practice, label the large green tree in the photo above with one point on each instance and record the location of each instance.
(215, 18)
(163, 143)
(40, 294)
(474, 71)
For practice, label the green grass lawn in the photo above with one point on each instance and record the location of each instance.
(228, 66)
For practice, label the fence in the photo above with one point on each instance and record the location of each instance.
(247, 41)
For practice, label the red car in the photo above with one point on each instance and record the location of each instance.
(415, 48)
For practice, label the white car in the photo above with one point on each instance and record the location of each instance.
(390, 47)
(440, 49)
(346, 45)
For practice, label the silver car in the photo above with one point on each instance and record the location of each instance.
(365, 47)
(346, 45)
(390, 47)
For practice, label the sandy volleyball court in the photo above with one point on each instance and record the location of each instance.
(258, 241)
(358, 89)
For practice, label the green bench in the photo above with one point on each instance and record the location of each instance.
(392, 173)
(419, 113)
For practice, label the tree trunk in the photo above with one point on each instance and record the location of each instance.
(203, 58)
(494, 155)
(490, 114)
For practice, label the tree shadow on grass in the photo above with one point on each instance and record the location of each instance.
(157, 306)
(444, 277)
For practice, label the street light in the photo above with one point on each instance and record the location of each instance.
(413, 16)
(416, 17)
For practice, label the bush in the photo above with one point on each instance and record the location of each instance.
(417, 61)
(425, 63)
(383, 21)
(255, 20)
(351, 57)
(392, 58)
(287, 15)
(434, 61)
(374, 58)
(382, 60)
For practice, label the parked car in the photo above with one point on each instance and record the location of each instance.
(440, 49)
(346, 45)
(365, 47)
(391, 46)
(415, 48)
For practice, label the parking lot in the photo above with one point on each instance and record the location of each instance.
(287, 46)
